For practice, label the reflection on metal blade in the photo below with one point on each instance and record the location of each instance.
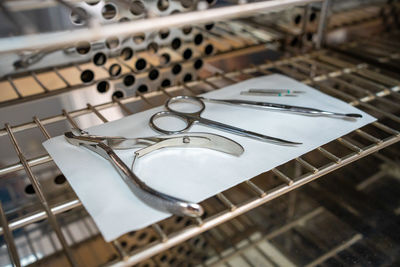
(198, 140)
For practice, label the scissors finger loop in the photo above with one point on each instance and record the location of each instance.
(193, 101)
(161, 114)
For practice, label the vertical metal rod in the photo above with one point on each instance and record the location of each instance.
(356, 102)
(140, 94)
(385, 113)
(185, 86)
(68, 234)
(160, 232)
(307, 165)
(345, 245)
(165, 92)
(282, 176)
(121, 252)
(368, 136)
(14, 87)
(33, 74)
(61, 77)
(94, 251)
(329, 155)
(354, 87)
(370, 180)
(215, 87)
(97, 113)
(47, 230)
(41, 127)
(39, 192)
(30, 245)
(226, 201)
(264, 71)
(122, 106)
(387, 101)
(106, 70)
(9, 239)
(210, 237)
(304, 24)
(14, 199)
(85, 223)
(296, 75)
(79, 67)
(70, 119)
(349, 145)
(322, 25)
(246, 259)
(255, 188)
(11, 16)
(385, 128)
(199, 221)
(227, 78)
(132, 70)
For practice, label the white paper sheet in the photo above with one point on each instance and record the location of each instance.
(196, 174)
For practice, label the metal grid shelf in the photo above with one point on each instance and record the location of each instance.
(364, 14)
(383, 51)
(96, 31)
(258, 249)
(295, 230)
(369, 89)
(245, 38)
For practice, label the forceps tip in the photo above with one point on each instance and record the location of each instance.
(353, 115)
(287, 143)
(194, 210)
(293, 143)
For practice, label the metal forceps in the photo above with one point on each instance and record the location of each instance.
(105, 145)
(281, 107)
(195, 117)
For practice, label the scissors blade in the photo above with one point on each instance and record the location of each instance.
(245, 133)
(199, 140)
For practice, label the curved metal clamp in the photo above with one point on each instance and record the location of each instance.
(104, 146)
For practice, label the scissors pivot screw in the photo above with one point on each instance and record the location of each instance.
(186, 140)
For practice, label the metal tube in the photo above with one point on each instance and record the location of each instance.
(323, 22)
(41, 215)
(58, 39)
(336, 250)
(97, 113)
(39, 192)
(9, 239)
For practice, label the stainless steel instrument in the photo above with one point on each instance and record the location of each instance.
(194, 117)
(104, 146)
(272, 92)
(280, 107)
(266, 94)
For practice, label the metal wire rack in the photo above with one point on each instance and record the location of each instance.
(379, 51)
(234, 36)
(224, 38)
(52, 40)
(56, 80)
(337, 74)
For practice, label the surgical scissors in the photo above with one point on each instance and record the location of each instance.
(194, 117)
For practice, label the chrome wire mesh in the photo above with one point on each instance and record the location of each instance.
(336, 74)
